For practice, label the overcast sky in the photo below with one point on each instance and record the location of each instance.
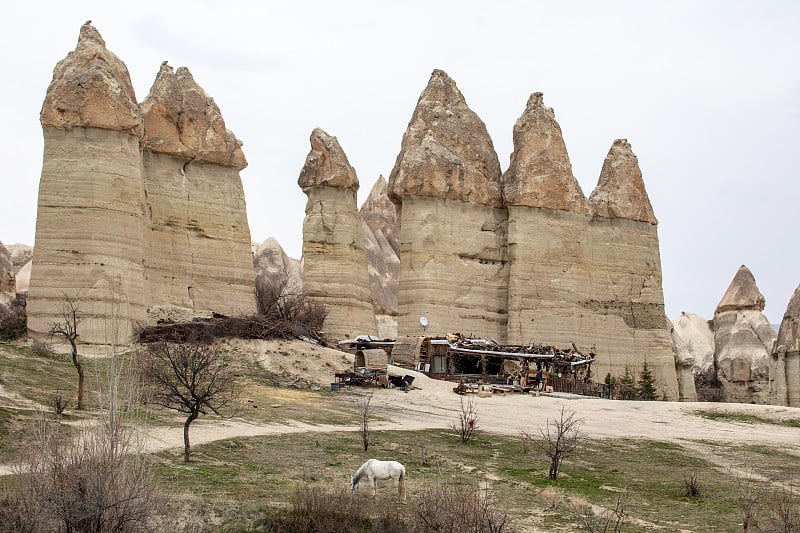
(707, 93)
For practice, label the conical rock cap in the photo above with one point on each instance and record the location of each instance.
(620, 191)
(789, 331)
(742, 293)
(181, 119)
(540, 173)
(91, 88)
(327, 164)
(446, 150)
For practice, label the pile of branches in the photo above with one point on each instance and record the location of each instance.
(223, 327)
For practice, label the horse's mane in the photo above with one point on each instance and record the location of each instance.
(360, 471)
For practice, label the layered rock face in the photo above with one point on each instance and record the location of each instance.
(21, 254)
(334, 261)
(199, 257)
(626, 300)
(91, 220)
(8, 284)
(785, 370)
(694, 351)
(446, 184)
(381, 241)
(743, 339)
(141, 214)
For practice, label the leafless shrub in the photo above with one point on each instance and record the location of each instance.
(708, 386)
(691, 484)
(748, 496)
(58, 402)
(13, 320)
(557, 440)
(426, 460)
(609, 521)
(467, 424)
(781, 514)
(363, 404)
(42, 347)
(449, 507)
(94, 483)
(525, 442)
(279, 299)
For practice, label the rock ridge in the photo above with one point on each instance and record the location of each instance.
(620, 191)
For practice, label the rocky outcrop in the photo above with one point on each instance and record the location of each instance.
(381, 241)
(785, 364)
(694, 351)
(90, 222)
(744, 340)
(8, 284)
(199, 259)
(23, 278)
(620, 192)
(446, 184)
(21, 254)
(334, 261)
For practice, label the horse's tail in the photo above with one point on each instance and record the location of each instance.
(401, 485)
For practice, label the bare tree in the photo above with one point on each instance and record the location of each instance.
(557, 439)
(190, 378)
(67, 327)
(467, 424)
(363, 403)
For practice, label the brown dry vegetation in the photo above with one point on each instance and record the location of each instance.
(288, 452)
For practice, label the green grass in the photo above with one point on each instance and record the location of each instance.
(747, 419)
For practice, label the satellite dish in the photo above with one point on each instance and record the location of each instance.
(423, 321)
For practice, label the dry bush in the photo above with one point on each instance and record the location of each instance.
(42, 347)
(277, 298)
(557, 440)
(363, 406)
(781, 513)
(93, 483)
(13, 320)
(467, 424)
(58, 402)
(691, 484)
(709, 387)
(448, 507)
(609, 521)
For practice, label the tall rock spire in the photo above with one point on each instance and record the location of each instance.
(743, 340)
(446, 151)
(540, 173)
(446, 183)
(620, 191)
(334, 261)
(90, 219)
(199, 255)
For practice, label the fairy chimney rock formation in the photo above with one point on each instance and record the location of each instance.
(274, 267)
(620, 191)
(381, 241)
(90, 219)
(199, 258)
(540, 173)
(744, 340)
(785, 379)
(694, 351)
(446, 183)
(547, 229)
(334, 261)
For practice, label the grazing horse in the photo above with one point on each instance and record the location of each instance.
(374, 469)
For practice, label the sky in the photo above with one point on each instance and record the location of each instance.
(706, 92)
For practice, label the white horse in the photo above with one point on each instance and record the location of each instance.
(374, 469)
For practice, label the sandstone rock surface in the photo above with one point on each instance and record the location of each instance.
(24, 278)
(381, 241)
(620, 191)
(199, 258)
(271, 263)
(90, 221)
(540, 173)
(446, 152)
(446, 183)
(694, 351)
(21, 254)
(744, 340)
(334, 270)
